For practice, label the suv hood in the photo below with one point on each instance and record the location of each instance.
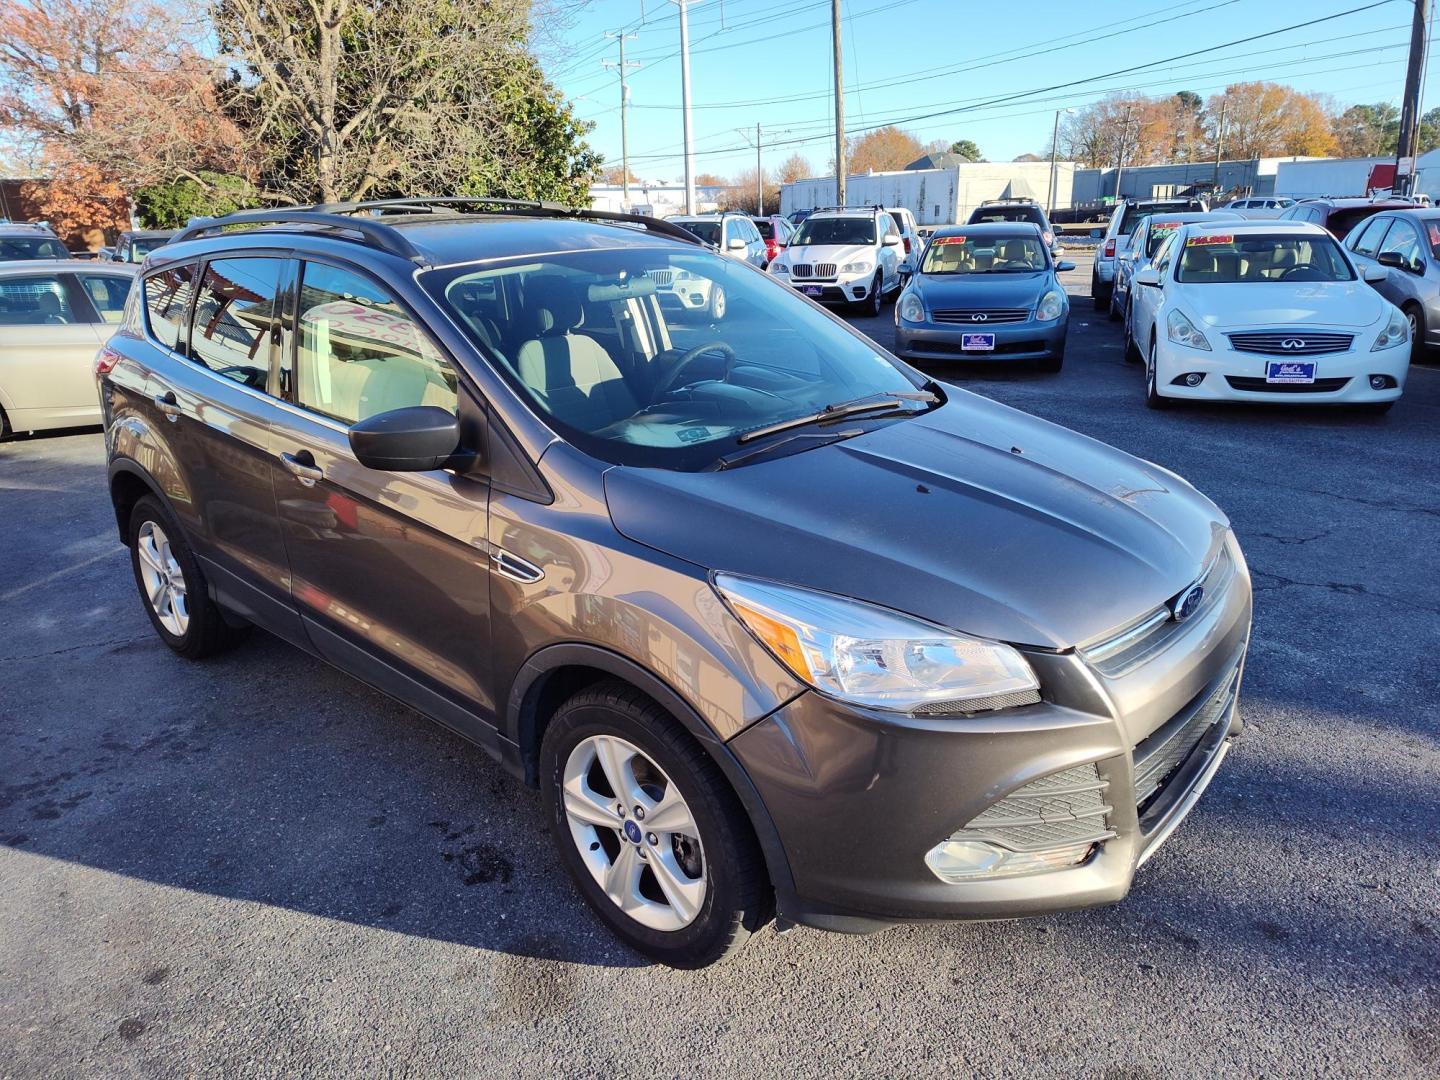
(982, 290)
(839, 254)
(974, 516)
(1278, 304)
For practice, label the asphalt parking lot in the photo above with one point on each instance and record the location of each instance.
(257, 866)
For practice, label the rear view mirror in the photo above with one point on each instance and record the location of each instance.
(1374, 274)
(1148, 276)
(413, 439)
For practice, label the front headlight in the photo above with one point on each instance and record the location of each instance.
(870, 656)
(910, 307)
(778, 267)
(1396, 332)
(1050, 306)
(857, 268)
(1182, 331)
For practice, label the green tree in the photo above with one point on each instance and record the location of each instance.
(966, 149)
(1368, 130)
(170, 205)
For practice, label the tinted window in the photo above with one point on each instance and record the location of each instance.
(167, 299)
(1222, 258)
(1367, 238)
(854, 230)
(143, 245)
(31, 247)
(234, 315)
(1402, 241)
(359, 353)
(707, 231)
(34, 301)
(1340, 222)
(984, 255)
(1005, 213)
(107, 292)
(766, 230)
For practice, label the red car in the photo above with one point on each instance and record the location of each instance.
(776, 233)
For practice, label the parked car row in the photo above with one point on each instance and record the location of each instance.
(20, 241)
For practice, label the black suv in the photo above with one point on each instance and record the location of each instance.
(1013, 210)
(700, 580)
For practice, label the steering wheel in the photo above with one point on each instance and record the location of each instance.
(1299, 268)
(685, 359)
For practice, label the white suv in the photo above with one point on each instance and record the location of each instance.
(734, 235)
(847, 256)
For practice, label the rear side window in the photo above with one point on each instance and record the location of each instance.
(107, 292)
(234, 316)
(167, 299)
(1340, 222)
(37, 300)
(360, 353)
(767, 230)
(1368, 238)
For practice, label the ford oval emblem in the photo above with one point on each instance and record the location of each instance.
(1189, 603)
(632, 832)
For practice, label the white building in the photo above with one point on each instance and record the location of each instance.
(653, 199)
(937, 196)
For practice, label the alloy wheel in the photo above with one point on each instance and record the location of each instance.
(163, 579)
(634, 832)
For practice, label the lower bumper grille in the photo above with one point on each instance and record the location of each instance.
(1255, 385)
(1061, 809)
(1159, 757)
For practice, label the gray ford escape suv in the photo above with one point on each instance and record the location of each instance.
(777, 626)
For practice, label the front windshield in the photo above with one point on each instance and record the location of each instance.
(837, 230)
(984, 255)
(663, 357)
(31, 247)
(1223, 258)
(707, 231)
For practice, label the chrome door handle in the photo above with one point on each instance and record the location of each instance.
(303, 467)
(167, 405)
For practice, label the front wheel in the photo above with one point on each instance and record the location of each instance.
(1416, 320)
(717, 304)
(1132, 351)
(650, 830)
(1152, 392)
(875, 303)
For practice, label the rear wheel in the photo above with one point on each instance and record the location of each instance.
(172, 586)
(1114, 312)
(1132, 351)
(648, 827)
(4, 425)
(1152, 392)
(1098, 298)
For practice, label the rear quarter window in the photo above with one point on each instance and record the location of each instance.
(167, 303)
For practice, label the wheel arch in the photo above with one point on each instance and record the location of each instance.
(129, 483)
(557, 672)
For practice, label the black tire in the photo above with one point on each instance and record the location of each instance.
(4, 425)
(1152, 395)
(1098, 297)
(717, 306)
(1113, 312)
(738, 898)
(1416, 318)
(1132, 351)
(1052, 364)
(1375, 408)
(207, 632)
(872, 305)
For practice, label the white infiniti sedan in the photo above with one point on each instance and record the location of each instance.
(1265, 311)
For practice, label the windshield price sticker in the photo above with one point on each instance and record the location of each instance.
(1212, 238)
(949, 239)
(1165, 226)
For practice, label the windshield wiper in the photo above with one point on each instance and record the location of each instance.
(820, 438)
(880, 402)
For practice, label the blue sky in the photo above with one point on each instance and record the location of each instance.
(768, 61)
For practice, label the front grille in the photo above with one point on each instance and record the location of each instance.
(662, 278)
(1160, 756)
(981, 315)
(1290, 342)
(1058, 810)
(1260, 386)
(1011, 700)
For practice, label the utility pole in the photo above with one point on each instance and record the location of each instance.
(759, 170)
(685, 104)
(1410, 107)
(1120, 164)
(1219, 141)
(622, 67)
(1054, 151)
(839, 105)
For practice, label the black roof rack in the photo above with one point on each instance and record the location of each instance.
(866, 206)
(363, 219)
(1012, 199)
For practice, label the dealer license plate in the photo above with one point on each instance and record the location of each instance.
(977, 342)
(1290, 371)
(813, 290)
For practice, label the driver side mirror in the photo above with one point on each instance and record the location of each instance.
(891, 239)
(1390, 258)
(1148, 276)
(1061, 267)
(1374, 274)
(414, 439)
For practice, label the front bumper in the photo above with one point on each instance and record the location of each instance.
(837, 291)
(1229, 375)
(860, 797)
(1029, 340)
